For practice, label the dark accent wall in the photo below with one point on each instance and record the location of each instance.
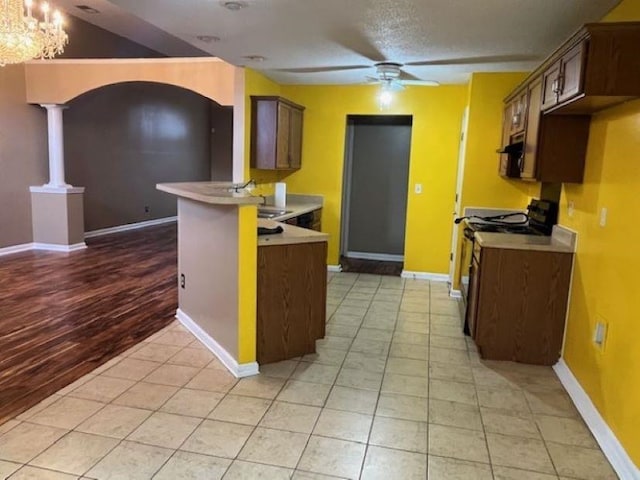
(221, 143)
(121, 140)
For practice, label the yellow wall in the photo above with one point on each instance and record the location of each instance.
(437, 115)
(605, 287)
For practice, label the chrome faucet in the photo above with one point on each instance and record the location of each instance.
(237, 187)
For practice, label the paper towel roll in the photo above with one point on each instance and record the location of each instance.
(281, 195)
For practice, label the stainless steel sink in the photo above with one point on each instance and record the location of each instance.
(267, 212)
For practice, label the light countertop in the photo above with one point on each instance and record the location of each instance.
(296, 205)
(291, 234)
(214, 193)
(523, 242)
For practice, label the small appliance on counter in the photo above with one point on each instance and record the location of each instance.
(280, 197)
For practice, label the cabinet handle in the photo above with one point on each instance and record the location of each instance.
(521, 163)
(557, 85)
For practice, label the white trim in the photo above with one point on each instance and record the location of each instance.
(462, 156)
(25, 247)
(384, 257)
(58, 190)
(129, 226)
(238, 370)
(125, 61)
(334, 268)
(455, 293)
(55, 247)
(610, 445)
(434, 277)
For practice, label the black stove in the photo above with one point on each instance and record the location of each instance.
(540, 218)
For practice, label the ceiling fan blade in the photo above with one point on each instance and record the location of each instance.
(476, 60)
(320, 69)
(372, 79)
(353, 40)
(407, 76)
(424, 83)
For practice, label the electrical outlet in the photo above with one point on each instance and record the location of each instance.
(571, 208)
(146, 209)
(600, 333)
(603, 216)
(418, 188)
(183, 281)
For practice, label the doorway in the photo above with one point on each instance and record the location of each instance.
(376, 178)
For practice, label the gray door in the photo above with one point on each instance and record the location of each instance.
(377, 175)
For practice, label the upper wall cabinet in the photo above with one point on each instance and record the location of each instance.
(276, 133)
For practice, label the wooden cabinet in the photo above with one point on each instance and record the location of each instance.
(517, 110)
(276, 133)
(517, 304)
(291, 300)
(563, 80)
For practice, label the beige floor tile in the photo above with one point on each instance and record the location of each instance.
(454, 373)
(146, 395)
(131, 369)
(345, 319)
(304, 393)
(403, 406)
(274, 447)
(155, 352)
(179, 339)
(384, 463)
(413, 317)
(8, 425)
(448, 355)
(260, 386)
(400, 434)
(107, 365)
(175, 375)
(316, 373)
(364, 362)
(490, 377)
(290, 416)
(354, 378)
(383, 321)
(282, 369)
(220, 439)
(114, 421)
(407, 366)
(192, 357)
(506, 473)
(453, 392)
(509, 423)
(72, 386)
(454, 414)
(130, 460)
(332, 457)
(102, 389)
(445, 307)
(300, 475)
(454, 343)
(565, 430)
(7, 468)
(413, 307)
(352, 400)
(405, 385)
(412, 327)
(75, 453)
(34, 473)
(66, 413)
(372, 348)
(343, 425)
(27, 414)
(441, 468)
(194, 403)
(549, 402)
(407, 350)
(238, 409)
(502, 399)
(353, 311)
(411, 338)
(213, 380)
(517, 452)
(338, 330)
(241, 470)
(323, 356)
(27, 440)
(579, 462)
(334, 343)
(164, 430)
(377, 334)
(445, 330)
(457, 443)
(192, 466)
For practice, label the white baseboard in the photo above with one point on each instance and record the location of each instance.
(382, 257)
(129, 226)
(434, 277)
(455, 293)
(25, 247)
(54, 247)
(334, 268)
(238, 370)
(610, 445)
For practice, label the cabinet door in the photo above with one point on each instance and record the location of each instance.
(518, 112)
(283, 160)
(551, 86)
(571, 78)
(534, 113)
(295, 138)
(506, 136)
(473, 297)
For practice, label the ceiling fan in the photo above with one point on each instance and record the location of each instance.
(391, 76)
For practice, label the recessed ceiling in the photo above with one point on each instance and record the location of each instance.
(319, 41)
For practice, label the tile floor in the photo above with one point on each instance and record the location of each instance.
(395, 391)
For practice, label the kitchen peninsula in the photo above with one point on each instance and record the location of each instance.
(249, 301)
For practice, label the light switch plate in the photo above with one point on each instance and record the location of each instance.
(571, 207)
(600, 333)
(418, 188)
(603, 216)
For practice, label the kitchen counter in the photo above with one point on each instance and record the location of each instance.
(296, 205)
(213, 193)
(291, 235)
(523, 242)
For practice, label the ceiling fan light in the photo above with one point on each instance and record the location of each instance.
(385, 98)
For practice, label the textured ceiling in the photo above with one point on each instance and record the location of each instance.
(300, 37)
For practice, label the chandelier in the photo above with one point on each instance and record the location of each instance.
(25, 35)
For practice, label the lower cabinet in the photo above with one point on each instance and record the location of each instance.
(291, 302)
(517, 304)
(311, 220)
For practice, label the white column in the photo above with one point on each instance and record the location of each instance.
(56, 146)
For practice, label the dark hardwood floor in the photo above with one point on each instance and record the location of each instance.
(356, 265)
(64, 314)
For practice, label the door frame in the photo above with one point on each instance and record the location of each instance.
(462, 153)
